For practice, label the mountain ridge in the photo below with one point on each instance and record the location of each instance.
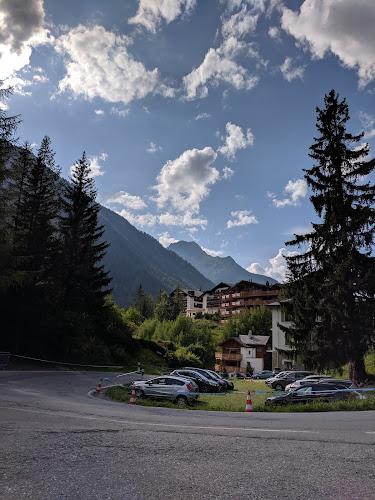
(216, 269)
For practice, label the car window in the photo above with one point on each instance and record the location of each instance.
(160, 380)
(305, 390)
(175, 381)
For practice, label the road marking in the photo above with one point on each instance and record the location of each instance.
(156, 424)
(369, 432)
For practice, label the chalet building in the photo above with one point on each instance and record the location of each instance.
(237, 352)
(192, 301)
(246, 295)
(212, 298)
(280, 344)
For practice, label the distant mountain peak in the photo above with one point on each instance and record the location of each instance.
(216, 269)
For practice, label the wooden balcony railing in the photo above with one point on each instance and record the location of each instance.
(225, 356)
(220, 368)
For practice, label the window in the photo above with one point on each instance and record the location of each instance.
(285, 316)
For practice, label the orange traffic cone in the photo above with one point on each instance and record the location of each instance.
(249, 404)
(99, 387)
(132, 399)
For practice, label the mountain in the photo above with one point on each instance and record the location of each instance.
(217, 269)
(135, 257)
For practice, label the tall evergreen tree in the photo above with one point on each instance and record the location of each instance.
(144, 303)
(83, 280)
(331, 286)
(8, 263)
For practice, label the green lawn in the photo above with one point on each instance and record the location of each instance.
(236, 401)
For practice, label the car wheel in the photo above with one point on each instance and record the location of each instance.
(204, 388)
(279, 387)
(181, 401)
(139, 393)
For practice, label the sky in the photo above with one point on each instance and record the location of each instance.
(197, 115)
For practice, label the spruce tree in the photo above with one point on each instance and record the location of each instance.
(83, 280)
(331, 286)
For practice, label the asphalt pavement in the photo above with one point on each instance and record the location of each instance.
(58, 442)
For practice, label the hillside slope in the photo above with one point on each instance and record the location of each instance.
(216, 269)
(135, 257)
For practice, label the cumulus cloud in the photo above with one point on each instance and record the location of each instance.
(21, 29)
(274, 32)
(289, 72)
(294, 190)
(213, 253)
(185, 182)
(153, 148)
(129, 201)
(241, 218)
(235, 140)
(277, 268)
(99, 112)
(344, 28)
(143, 220)
(227, 173)
(98, 64)
(202, 115)
(188, 219)
(166, 240)
(240, 24)
(152, 13)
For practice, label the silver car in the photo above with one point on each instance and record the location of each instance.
(297, 384)
(180, 390)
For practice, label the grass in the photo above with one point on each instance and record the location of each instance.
(236, 402)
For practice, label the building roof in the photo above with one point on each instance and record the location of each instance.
(249, 340)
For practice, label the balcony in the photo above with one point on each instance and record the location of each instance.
(225, 356)
(239, 369)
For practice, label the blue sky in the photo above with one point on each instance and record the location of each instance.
(197, 115)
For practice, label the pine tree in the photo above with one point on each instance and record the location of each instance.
(331, 286)
(8, 263)
(144, 303)
(83, 280)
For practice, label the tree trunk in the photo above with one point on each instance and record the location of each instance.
(357, 371)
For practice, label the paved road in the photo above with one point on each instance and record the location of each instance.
(56, 442)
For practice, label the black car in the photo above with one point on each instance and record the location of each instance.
(229, 383)
(204, 383)
(212, 376)
(314, 392)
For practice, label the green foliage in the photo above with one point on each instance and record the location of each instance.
(144, 303)
(331, 286)
(134, 316)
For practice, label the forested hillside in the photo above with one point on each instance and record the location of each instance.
(134, 258)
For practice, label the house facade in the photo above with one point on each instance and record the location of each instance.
(246, 295)
(279, 340)
(192, 301)
(237, 352)
(212, 298)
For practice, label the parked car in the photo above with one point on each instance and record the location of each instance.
(263, 374)
(297, 384)
(270, 380)
(180, 390)
(204, 383)
(314, 392)
(212, 376)
(283, 379)
(229, 383)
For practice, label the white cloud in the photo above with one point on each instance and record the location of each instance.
(213, 253)
(277, 268)
(166, 240)
(344, 28)
(185, 220)
(289, 72)
(227, 173)
(119, 112)
(274, 32)
(149, 220)
(185, 182)
(235, 140)
(368, 123)
(295, 189)
(152, 13)
(202, 115)
(21, 29)
(98, 64)
(241, 218)
(219, 66)
(153, 148)
(128, 200)
(99, 112)
(41, 78)
(240, 24)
